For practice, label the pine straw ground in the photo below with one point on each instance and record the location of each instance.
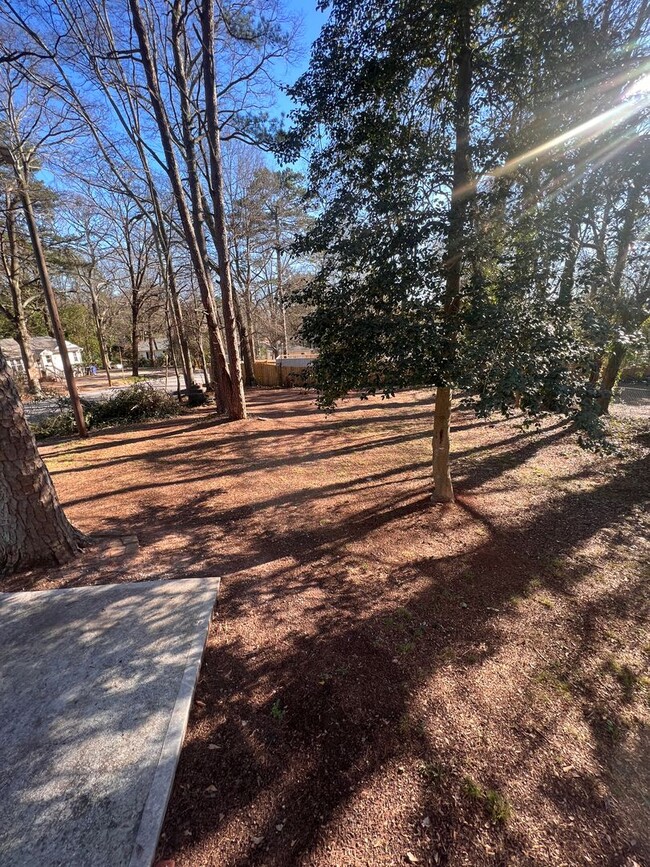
(389, 681)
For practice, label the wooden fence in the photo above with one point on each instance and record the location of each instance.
(272, 375)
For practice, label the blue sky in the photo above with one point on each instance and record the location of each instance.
(312, 21)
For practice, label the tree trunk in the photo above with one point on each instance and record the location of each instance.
(199, 263)
(181, 333)
(34, 530)
(152, 348)
(443, 491)
(52, 307)
(596, 367)
(135, 367)
(238, 399)
(15, 289)
(573, 248)
(246, 344)
(204, 366)
(100, 332)
(279, 284)
(610, 375)
(31, 368)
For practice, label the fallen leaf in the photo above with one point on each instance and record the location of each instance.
(410, 857)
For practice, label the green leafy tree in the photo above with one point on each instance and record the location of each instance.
(441, 135)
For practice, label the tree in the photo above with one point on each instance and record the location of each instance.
(439, 138)
(10, 245)
(27, 127)
(34, 530)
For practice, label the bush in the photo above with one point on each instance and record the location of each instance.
(136, 403)
(61, 425)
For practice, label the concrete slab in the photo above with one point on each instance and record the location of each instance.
(95, 690)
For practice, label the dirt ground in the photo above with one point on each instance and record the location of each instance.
(389, 681)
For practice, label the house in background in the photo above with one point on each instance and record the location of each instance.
(154, 349)
(46, 354)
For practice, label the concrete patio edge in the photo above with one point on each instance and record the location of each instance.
(155, 806)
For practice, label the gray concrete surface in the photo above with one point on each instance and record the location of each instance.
(96, 685)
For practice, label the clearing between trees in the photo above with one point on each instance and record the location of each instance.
(389, 680)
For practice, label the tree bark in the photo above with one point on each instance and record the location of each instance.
(443, 489)
(610, 375)
(573, 248)
(135, 367)
(52, 307)
(218, 360)
(238, 400)
(34, 530)
(98, 328)
(12, 269)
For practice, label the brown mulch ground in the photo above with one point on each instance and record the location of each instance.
(390, 681)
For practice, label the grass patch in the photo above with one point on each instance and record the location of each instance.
(549, 678)
(627, 678)
(494, 803)
(432, 772)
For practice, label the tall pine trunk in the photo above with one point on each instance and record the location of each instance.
(34, 530)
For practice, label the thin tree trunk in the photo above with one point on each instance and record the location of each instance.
(280, 287)
(135, 367)
(34, 530)
(610, 375)
(204, 366)
(181, 333)
(568, 272)
(15, 289)
(246, 344)
(221, 375)
(52, 307)
(172, 351)
(443, 489)
(218, 360)
(100, 332)
(152, 348)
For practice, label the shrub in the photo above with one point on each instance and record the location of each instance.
(136, 403)
(61, 425)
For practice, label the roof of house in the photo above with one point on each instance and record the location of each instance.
(11, 349)
(159, 344)
(48, 344)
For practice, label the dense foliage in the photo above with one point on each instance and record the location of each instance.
(548, 130)
(138, 402)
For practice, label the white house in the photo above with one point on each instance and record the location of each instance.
(46, 353)
(160, 346)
